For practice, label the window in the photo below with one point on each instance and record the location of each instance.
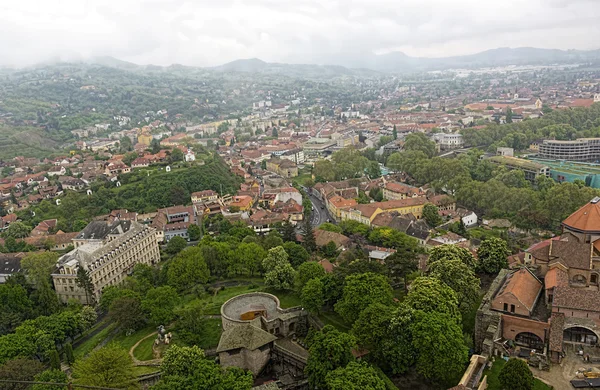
(512, 308)
(594, 279)
(506, 307)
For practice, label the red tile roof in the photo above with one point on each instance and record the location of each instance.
(524, 286)
(586, 219)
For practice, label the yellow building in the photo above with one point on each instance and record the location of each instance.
(366, 213)
(144, 137)
(336, 204)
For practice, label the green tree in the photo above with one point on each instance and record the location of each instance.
(312, 296)
(420, 142)
(328, 349)
(281, 277)
(187, 269)
(275, 257)
(431, 215)
(451, 252)
(373, 330)
(38, 267)
(129, 157)
(15, 306)
(360, 291)
(395, 133)
(272, 240)
(109, 366)
(516, 375)
(127, 313)
(175, 155)
(160, 303)
(54, 360)
(400, 265)
(460, 278)
(69, 357)
(373, 169)
(248, 258)
(51, 376)
(176, 245)
(112, 293)
(84, 281)
(308, 235)
(439, 344)
(288, 233)
(431, 295)
(329, 227)
(355, 376)
(492, 254)
(186, 368)
(194, 232)
(297, 255)
(329, 250)
(17, 230)
(20, 370)
(308, 271)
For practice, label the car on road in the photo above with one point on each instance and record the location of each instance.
(322, 207)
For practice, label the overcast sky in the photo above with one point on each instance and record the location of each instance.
(212, 32)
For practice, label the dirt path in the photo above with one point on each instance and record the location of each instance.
(137, 362)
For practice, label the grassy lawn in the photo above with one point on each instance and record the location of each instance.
(87, 347)
(144, 350)
(302, 178)
(333, 318)
(481, 233)
(129, 341)
(494, 372)
(287, 299)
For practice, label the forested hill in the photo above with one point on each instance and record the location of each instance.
(138, 192)
(564, 124)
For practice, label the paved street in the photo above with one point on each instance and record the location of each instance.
(320, 213)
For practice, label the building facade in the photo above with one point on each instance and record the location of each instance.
(582, 149)
(108, 252)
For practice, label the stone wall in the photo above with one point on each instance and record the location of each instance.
(254, 361)
(488, 322)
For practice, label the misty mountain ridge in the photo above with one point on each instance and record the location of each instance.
(370, 65)
(401, 62)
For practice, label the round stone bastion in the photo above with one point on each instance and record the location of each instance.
(232, 310)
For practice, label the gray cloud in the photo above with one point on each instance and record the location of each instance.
(208, 32)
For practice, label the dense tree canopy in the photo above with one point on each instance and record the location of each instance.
(493, 255)
(328, 349)
(360, 291)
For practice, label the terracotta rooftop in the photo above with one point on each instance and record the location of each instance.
(586, 219)
(524, 286)
(556, 277)
(576, 298)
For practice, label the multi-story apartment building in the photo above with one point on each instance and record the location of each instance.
(582, 149)
(108, 252)
(531, 169)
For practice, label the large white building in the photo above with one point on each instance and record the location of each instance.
(108, 252)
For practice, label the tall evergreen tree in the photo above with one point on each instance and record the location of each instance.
(308, 235)
(288, 232)
(69, 357)
(85, 282)
(54, 360)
